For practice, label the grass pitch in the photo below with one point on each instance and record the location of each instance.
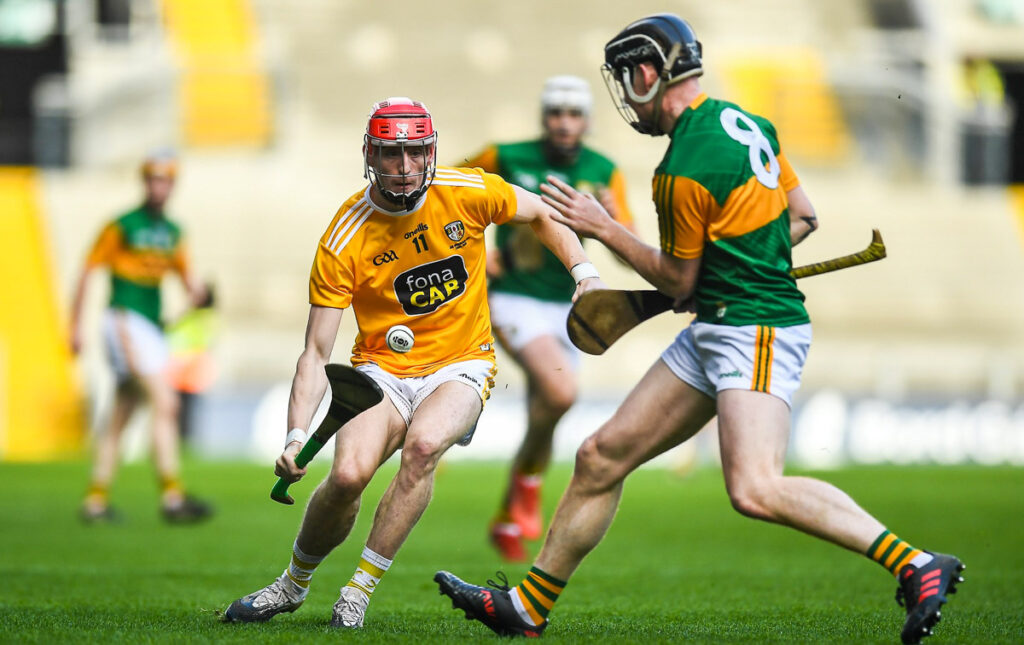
(677, 565)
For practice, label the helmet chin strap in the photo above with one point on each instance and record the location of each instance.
(658, 89)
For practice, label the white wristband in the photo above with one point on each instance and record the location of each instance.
(296, 434)
(582, 271)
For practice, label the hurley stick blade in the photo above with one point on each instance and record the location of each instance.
(352, 393)
(600, 317)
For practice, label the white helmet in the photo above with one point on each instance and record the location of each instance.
(566, 92)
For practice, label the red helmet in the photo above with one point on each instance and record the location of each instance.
(401, 131)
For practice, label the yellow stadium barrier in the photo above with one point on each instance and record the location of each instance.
(225, 92)
(41, 415)
(790, 89)
(1017, 198)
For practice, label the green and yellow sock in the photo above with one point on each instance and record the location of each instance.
(172, 493)
(894, 554)
(372, 567)
(300, 569)
(536, 595)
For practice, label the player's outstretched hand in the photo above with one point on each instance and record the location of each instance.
(285, 467)
(579, 211)
(587, 284)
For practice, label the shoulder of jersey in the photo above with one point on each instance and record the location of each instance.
(352, 214)
(459, 177)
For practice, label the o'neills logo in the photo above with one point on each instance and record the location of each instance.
(423, 289)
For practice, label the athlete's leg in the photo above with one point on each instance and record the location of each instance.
(660, 412)
(442, 419)
(551, 391)
(107, 451)
(164, 402)
(753, 432)
(361, 446)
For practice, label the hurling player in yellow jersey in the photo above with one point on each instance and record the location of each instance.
(408, 250)
(139, 248)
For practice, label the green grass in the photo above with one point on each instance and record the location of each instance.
(678, 563)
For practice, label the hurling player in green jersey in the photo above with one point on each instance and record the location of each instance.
(138, 249)
(730, 208)
(530, 293)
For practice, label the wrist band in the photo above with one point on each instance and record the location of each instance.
(296, 434)
(582, 271)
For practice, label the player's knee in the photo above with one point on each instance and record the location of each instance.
(560, 399)
(595, 467)
(421, 454)
(752, 499)
(347, 480)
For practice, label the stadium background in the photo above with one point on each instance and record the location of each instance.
(902, 115)
(266, 101)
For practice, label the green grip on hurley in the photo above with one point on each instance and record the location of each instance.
(280, 490)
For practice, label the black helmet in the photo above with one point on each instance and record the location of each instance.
(664, 40)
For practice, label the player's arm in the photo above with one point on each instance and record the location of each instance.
(582, 213)
(77, 299)
(102, 253)
(560, 240)
(309, 383)
(802, 219)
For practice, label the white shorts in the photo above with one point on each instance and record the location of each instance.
(519, 319)
(713, 358)
(408, 393)
(135, 344)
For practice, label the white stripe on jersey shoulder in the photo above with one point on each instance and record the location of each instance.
(358, 223)
(466, 184)
(459, 174)
(346, 218)
(349, 221)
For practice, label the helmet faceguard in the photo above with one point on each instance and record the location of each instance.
(570, 93)
(664, 40)
(400, 150)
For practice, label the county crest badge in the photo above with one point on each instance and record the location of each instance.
(455, 230)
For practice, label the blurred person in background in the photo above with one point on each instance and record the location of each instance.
(406, 253)
(190, 339)
(138, 249)
(730, 209)
(530, 293)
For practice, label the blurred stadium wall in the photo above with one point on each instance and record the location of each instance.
(902, 115)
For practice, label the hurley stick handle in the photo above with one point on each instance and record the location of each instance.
(280, 490)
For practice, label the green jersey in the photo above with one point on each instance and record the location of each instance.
(139, 248)
(720, 193)
(530, 269)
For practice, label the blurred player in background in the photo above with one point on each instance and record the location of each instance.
(730, 208)
(406, 252)
(139, 248)
(530, 293)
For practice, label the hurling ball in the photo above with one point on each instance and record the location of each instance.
(400, 339)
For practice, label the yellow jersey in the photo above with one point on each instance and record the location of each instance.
(423, 269)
